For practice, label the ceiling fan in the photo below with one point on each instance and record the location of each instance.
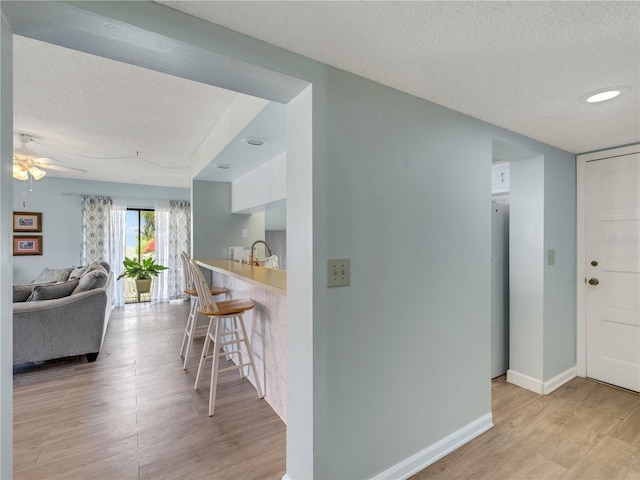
(27, 163)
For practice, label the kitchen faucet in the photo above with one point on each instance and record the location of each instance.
(253, 258)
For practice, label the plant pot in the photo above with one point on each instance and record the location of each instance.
(143, 286)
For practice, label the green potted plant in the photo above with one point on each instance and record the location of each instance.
(142, 272)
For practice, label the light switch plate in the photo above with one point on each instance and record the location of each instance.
(245, 233)
(551, 256)
(338, 272)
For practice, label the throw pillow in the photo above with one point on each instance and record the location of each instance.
(21, 292)
(49, 275)
(96, 266)
(77, 272)
(90, 280)
(49, 292)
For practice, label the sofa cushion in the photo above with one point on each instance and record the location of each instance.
(49, 292)
(49, 275)
(91, 279)
(78, 271)
(22, 292)
(98, 266)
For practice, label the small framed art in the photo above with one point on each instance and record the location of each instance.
(27, 221)
(27, 245)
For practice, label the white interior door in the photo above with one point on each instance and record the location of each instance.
(613, 270)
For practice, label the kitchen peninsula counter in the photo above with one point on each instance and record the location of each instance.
(266, 323)
(267, 278)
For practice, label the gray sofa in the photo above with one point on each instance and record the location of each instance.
(75, 324)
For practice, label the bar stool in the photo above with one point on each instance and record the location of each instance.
(190, 289)
(222, 338)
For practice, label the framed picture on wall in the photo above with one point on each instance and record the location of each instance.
(27, 245)
(27, 221)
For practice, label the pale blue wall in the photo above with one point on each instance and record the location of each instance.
(215, 228)
(560, 333)
(526, 267)
(59, 200)
(542, 296)
(401, 358)
(6, 277)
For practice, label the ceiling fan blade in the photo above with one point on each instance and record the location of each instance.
(60, 168)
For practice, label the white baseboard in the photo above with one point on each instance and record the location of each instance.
(525, 381)
(435, 452)
(559, 380)
(538, 386)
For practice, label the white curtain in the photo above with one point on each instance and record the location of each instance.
(118, 217)
(173, 235)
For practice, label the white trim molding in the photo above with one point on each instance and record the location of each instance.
(559, 380)
(435, 452)
(538, 386)
(525, 381)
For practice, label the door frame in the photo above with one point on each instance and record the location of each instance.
(581, 298)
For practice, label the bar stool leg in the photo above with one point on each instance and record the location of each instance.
(250, 354)
(205, 351)
(227, 328)
(186, 330)
(189, 331)
(214, 368)
(238, 345)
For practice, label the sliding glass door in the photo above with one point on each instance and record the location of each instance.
(140, 243)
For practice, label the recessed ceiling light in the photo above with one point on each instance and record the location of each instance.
(254, 141)
(222, 166)
(603, 94)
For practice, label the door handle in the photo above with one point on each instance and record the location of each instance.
(593, 281)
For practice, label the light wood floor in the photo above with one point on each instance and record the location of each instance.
(584, 430)
(133, 414)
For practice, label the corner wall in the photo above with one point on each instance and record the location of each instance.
(560, 328)
(6, 226)
(542, 313)
(526, 268)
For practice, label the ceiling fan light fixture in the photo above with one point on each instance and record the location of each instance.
(20, 173)
(36, 172)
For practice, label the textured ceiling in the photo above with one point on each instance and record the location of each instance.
(519, 65)
(88, 112)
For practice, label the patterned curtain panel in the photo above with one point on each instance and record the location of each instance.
(96, 213)
(173, 235)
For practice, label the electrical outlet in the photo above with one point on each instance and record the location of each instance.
(551, 256)
(245, 233)
(338, 272)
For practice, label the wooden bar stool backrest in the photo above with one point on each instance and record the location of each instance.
(189, 285)
(207, 303)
